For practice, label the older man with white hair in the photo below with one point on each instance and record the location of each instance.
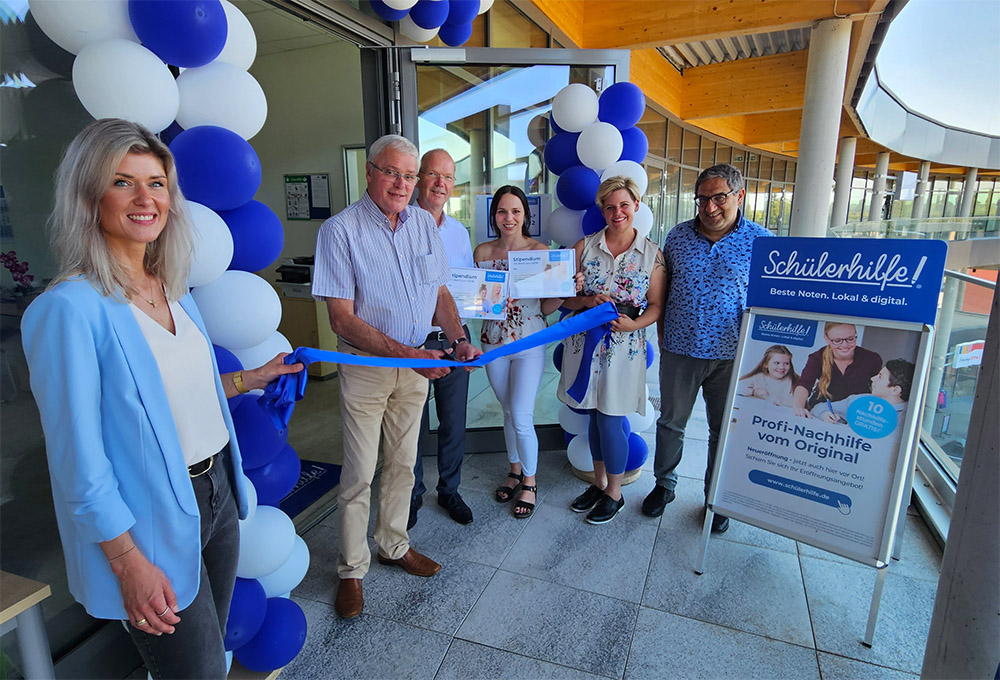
(382, 269)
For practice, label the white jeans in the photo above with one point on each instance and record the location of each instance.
(515, 379)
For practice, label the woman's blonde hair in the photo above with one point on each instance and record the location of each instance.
(613, 184)
(826, 373)
(84, 175)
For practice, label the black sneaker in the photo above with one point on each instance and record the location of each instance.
(720, 523)
(605, 510)
(657, 500)
(586, 501)
(456, 507)
(415, 505)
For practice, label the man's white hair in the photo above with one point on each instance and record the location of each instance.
(395, 142)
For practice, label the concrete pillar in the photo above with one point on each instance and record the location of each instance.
(969, 193)
(826, 70)
(845, 177)
(878, 190)
(923, 188)
(965, 627)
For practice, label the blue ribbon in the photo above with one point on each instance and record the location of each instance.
(279, 398)
(578, 390)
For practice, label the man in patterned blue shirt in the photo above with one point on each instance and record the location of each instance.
(708, 268)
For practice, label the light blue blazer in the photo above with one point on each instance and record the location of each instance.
(115, 460)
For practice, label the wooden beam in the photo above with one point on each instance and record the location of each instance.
(861, 38)
(780, 126)
(657, 79)
(746, 86)
(643, 23)
(567, 15)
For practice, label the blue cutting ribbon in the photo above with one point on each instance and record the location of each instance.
(578, 390)
(279, 398)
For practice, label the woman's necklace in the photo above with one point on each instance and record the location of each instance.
(149, 300)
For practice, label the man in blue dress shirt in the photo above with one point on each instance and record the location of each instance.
(708, 268)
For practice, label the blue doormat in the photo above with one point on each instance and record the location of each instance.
(316, 479)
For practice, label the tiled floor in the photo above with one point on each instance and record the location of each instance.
(552, 596)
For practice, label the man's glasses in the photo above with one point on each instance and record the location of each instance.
(717, 199)
(837, 342)
(435, 176)
(409, 179)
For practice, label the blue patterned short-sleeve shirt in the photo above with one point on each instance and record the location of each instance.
(707, 289)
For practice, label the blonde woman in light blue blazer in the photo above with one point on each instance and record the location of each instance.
(145, 468)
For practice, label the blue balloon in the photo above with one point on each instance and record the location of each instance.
(622, 105)
(170, 133)
(430, 14)
(637, 451)
(258, 236)
(557, 357)
(635, 146)
(388, 13)
(462, 11)
(259, 441)
(216, 167)
(555, 128)
(275, 480)
(246, 612)
(279, 639)
(650, 353)
(560, 152)
(577, 187)
(188, 34)
(455, 34)
(593, 220)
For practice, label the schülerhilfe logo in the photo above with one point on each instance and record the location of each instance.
(883, 271)
(784, 331)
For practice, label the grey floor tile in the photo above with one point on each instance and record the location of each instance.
(839, 596)
(320, 582)
(469, 661)
(563, 487)
(666, 645)
(552, 623)
(364, 647)
(748, 588)
(609, 559)
(840, 668)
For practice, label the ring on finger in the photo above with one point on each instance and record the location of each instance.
(165, 610)
(140, 623)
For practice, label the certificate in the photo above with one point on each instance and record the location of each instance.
(542, 273)
(479, 293)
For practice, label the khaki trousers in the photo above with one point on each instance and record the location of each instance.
(374, 401)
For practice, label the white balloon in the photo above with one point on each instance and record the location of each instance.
(643, 221)
(223, 95)
(240, 309)
(484, 5)
(285, 578)
(642, 423)
(266, 541)
(578, 452)
(213, 245)
(575, 107)
(411, 30)
(121, 79)
(74, 24)
(400, 4)
(241, 42)
(251, 491)
(573, 422)
(258, 355)
(598, 146)
(565, 226)
(628, 169)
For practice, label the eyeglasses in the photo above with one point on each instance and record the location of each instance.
(435, 176)
(409, 179)
(837, 342)
(717, 199)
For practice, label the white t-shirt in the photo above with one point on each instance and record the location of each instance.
(189, 381)
(457, 245)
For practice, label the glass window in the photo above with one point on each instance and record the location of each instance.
(753, 164)
(723, 153)
(673, 142)
(510, 28)
(687, 208)
(707, 154)
(654, 200)
(761, 203)
(778, 171)
(765, 167)
(982, 204)
(740, 160)
(671, 200)
(655, 126)
(690, 150)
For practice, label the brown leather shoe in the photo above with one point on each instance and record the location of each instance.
(350, 601)
(413, 562)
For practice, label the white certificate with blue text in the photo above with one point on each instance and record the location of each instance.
(479, 293)
(542, 273)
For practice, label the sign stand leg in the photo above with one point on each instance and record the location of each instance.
(706, 536)
(873, 609)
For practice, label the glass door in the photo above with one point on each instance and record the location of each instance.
(489, 108)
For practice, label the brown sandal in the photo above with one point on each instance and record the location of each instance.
(503, 494)
(528, 508)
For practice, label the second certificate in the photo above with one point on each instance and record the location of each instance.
(542, 273)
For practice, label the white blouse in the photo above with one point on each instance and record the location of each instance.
(189, 381)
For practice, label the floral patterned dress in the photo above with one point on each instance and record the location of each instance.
(524, 316)
(617, 384)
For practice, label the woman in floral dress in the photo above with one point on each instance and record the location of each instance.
(622, 267)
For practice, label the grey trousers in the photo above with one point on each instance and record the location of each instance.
(680, 379)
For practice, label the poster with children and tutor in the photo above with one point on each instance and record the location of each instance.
(825, 393)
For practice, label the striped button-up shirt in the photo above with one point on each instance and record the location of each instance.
(393, 277)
